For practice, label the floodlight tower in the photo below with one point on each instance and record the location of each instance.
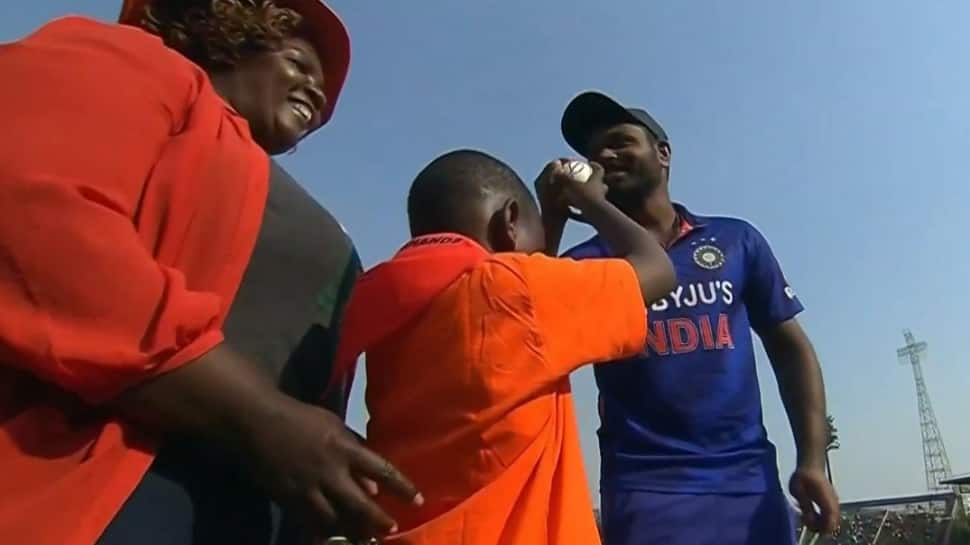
(935, 460)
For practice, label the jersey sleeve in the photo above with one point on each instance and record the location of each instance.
(85, 304)
(587, 311)
(767, 295)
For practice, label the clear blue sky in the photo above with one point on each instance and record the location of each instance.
(840, 129)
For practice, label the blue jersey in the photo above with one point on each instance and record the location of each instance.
(685, 416)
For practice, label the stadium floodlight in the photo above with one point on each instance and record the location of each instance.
(935, 460)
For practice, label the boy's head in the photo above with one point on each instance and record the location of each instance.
(474, 194)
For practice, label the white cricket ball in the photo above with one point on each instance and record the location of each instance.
(579, 171)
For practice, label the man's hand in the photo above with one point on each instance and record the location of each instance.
(311, 463)
(817, 500)
(803, 394)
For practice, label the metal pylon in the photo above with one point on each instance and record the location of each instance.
(935, 460)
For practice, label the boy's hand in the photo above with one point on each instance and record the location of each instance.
(582, 195)
(557, 190)
(552, 200)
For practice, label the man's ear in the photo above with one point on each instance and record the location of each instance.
(663, 153)
(503, 227)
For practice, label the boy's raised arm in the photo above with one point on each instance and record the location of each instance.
(557, 190)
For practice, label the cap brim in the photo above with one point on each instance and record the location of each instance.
(327, 33)
(588, 112)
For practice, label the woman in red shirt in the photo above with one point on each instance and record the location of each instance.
(134, 177)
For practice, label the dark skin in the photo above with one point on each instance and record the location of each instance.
(637, 173)
(304, 456)
(279, 92)
(558, 191)
(508, 224)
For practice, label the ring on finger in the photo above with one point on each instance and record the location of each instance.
(387, 472)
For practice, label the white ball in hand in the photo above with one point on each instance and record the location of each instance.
(579, 171)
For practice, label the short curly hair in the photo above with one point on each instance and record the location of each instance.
(216, 34)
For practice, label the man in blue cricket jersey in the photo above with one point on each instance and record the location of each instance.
(685, 456)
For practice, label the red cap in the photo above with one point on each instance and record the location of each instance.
(327, 34)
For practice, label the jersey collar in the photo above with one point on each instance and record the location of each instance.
(688, 223)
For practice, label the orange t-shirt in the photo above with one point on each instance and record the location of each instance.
(472, 399)
(130, 201)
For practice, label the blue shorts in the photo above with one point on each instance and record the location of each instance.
(652, 518)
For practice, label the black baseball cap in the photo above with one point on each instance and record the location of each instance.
(592, 110)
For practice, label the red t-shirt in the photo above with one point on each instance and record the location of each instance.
(130, 200)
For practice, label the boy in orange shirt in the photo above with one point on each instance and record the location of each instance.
(470, 334)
